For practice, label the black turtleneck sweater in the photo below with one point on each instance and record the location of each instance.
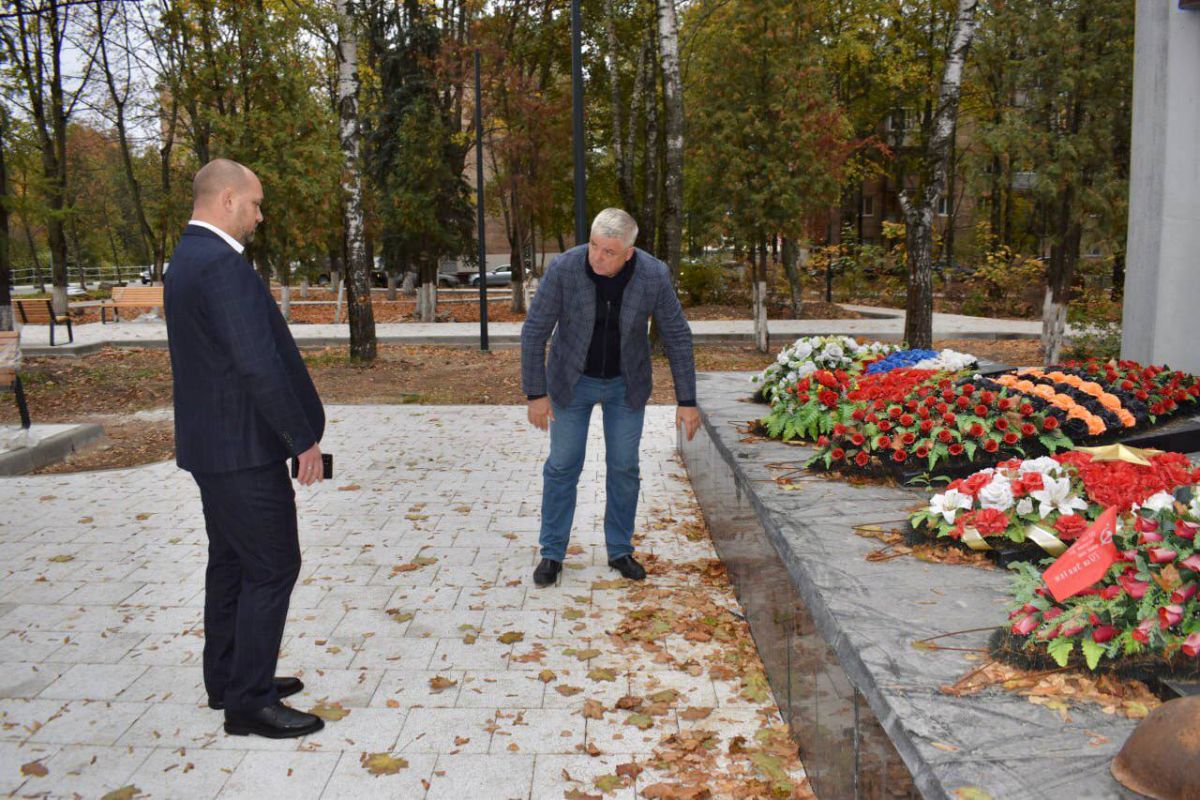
(604, 353)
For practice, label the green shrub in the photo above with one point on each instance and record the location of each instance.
(701, 281)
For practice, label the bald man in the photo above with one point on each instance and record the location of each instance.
(244, 404)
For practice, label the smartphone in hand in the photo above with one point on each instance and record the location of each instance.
(326, 466)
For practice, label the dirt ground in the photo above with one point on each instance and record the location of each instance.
(110, 387)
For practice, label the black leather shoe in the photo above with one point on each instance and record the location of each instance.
(546, 572)
(274, 722)
(284, 687)
(629, 568)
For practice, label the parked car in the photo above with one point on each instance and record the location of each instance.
(500, 276)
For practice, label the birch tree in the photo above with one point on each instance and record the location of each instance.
(920, 206)
(361, 313)
(668, 47)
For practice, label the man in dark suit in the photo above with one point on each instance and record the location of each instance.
(244, 404)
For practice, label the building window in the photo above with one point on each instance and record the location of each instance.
(943, 206)
(868, 206)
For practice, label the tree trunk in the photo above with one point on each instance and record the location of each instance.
(517, 261)
(361, 314)
(285, 302)
(427, 291)
(649, 205)
(918, 318)
(1064, 255)
(758, 288)
(6, 310)
(668, 44)
(393, 278)
(791, 257)
(623, 158)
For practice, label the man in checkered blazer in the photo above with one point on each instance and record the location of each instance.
(244, 404)
(597, 300)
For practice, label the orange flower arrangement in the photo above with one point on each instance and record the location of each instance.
(1095, 425)
(1109, 401)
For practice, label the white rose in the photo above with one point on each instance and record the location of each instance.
(997, 494)
(1025, 506)
(1159, 501)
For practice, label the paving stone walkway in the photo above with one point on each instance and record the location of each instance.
(886, 324)
(442, 671)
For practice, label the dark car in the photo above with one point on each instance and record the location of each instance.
(500, 276)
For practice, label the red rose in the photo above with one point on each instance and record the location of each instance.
(1132, 585)
(1005, 404)
(923, 413)
(942, 408)
(987, 396)
(908, 438)
(975, 430)
(1000, 424)
(822, 441)
(899, 456)
(1050, 423)
(1070, 526)
(990, 445)
(1169, 615)
(906, 420)
(802, 398)
(858, 440)
(1027, 429)
(862, 458)
(828, 398)
(1025, 625)
(885, 425)
(963, 401)
(883, 443)
(1026, 409)
(945, 436)
(948, 395)
(1185, 529)
(981, 410)
(1162, 555)
(990, 522)
(922, 451)
(837, 454)
(1103, 633)
(839, 429)
(858, 414)
(956, 449)
(1011, 438)
(802, 385)
(1192, 562)
(895, 411)
(1111, 592)
(1191, 645)
(1149, 537)
(967, 389)
(1184, 593)
(926, 426)
(949, 418)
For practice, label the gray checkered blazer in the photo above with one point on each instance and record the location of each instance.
(565, 305)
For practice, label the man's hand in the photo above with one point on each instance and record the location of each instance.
(540, 413)
(310, 470)
(688, 418)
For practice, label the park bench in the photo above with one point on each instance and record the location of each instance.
(40, 312)
(10, 378)
(131, 297)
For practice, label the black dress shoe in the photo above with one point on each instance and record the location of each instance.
(546, 572)
(284, 687)
(629, 568)
(274, 722)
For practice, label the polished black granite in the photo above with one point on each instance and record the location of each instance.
(836, 633)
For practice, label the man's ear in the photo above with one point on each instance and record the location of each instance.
(227, 199)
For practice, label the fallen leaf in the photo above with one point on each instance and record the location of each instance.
(971, 793)
(949, 748)
(142, 517)
(608, 783)
(350, 487)
(61, 559)
(438, 683)
(393, 703)
(124, 793)
(592, 750)
(567, 691)
(664, 696)
(330, 712)
(630, 770)
(546, 675)
(615, 583)
(584, 655)
(34, 769)
(399, 616)
(601, 674)
(629, 703)
(573, 613)
(673, 791)
(640, 721)
(383, 763)
(593, 709)
(693, 713)
(509, 637)
(579, 794)
(459, 741)
(85, 520)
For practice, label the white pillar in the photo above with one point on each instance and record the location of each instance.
(1162, 279)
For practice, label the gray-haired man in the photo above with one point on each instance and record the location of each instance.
(600, 296)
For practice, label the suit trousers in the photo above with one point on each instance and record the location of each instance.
(253, 563)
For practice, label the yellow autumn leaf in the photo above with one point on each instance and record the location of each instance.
(601, 674)
(34, 769)
(546, 675)
(330, 712)
(124, 793)
(509, 637)
(383, 763)
(439, 683)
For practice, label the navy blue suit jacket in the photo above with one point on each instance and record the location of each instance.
(243, 396)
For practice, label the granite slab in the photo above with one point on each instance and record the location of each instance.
(868, 614)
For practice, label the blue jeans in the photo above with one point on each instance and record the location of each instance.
(568, 444)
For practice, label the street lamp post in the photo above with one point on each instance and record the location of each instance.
(483, 288)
